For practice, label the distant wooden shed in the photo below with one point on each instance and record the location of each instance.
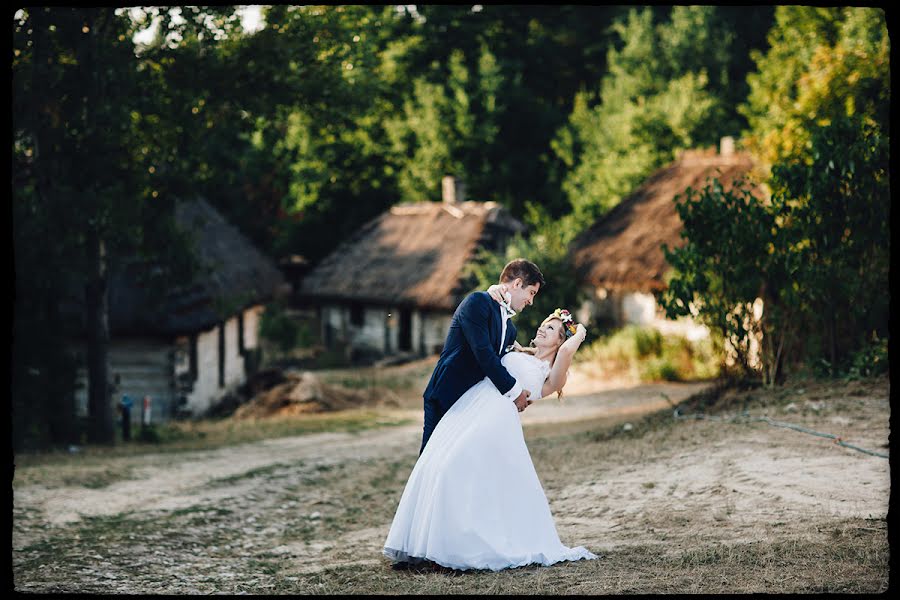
(620, 256)
(392, 287)
(200, 342)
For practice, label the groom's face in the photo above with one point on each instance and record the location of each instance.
(522, 295)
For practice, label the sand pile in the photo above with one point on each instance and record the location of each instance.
(304, 392)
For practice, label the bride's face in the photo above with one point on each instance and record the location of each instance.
(549, 335)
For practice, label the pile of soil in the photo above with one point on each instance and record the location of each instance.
(301, 393)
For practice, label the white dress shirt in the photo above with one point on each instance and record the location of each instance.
(505, 312)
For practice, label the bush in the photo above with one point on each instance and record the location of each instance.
(660, 369)
(647, 342)
(645, 354)
(871, 360)
(287, 333)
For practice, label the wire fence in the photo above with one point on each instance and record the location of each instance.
(746, 418)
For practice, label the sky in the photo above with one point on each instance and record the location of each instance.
(251, 20)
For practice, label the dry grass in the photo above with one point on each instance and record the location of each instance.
(312, 527)
(208, 434)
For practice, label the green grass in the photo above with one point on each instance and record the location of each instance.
(644, 354)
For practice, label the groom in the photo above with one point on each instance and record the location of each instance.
(480, 334)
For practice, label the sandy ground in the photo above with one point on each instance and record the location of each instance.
(695, 483)
(167, 482)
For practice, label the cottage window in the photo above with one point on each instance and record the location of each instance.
(357, 315)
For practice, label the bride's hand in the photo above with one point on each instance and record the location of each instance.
(580, 332)
(496, 292)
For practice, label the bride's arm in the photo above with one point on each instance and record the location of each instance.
(557, 378)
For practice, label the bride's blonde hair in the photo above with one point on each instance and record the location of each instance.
(531, 349)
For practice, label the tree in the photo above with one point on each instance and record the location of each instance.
(447, 129)
(85, 119)
(665, 90)
(719, 283)
(834, 214)
(547, 247)
(819, 117)
(823, 63)
(70, 72)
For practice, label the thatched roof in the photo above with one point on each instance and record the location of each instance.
(412, 255)
(234, 275)
(621, 250)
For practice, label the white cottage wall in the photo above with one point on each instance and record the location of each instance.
(370, 335)
(252, 318)
(234, 361)
(391, 330)
(382, 333)
(638, 308)
(435, 327)
(206, 387)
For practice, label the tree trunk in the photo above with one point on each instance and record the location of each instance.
(831, 338)
(101, 419)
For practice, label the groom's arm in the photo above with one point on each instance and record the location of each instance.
(474, 316)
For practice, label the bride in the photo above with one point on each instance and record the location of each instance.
(473, 499)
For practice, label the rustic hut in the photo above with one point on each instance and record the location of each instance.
(620, 256)
(392, 287)
(199, 343)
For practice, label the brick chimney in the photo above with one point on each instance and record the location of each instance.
(726, 146)
(452, 191)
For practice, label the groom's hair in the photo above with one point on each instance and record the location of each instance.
(522, 269)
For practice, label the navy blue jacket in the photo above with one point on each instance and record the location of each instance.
(471, 351)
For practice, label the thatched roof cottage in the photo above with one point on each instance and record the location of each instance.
(620, 257)
(188, 351)
(392, 287)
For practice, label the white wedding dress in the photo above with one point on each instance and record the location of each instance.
(473, 499)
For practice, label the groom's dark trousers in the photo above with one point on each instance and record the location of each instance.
(471, 352)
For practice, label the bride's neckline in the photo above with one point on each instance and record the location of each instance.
(541, 360)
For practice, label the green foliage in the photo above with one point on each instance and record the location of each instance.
(149, 434)
(719, 282)
(647, 341)
(816, 255)
(823, 63)
(871, 360)
(446, 128)
(664, 92)
(833, 209)
(643, 353)
(304, 130)
(278, 327)
(86, 186)
(547, 247)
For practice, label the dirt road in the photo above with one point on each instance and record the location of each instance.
(300, 514)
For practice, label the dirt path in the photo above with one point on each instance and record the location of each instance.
(301, 507)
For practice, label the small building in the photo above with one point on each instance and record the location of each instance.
(392, 287)
(199, 343)
(620, 256)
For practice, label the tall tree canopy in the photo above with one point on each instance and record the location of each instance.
(670, 85)
(823, 63)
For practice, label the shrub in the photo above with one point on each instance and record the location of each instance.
(646, 354)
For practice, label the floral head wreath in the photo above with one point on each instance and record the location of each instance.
(567, 321)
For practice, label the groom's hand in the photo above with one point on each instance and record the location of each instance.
(522, 401)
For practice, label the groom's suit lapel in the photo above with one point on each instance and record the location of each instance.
(497, 331)
(496, 325)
